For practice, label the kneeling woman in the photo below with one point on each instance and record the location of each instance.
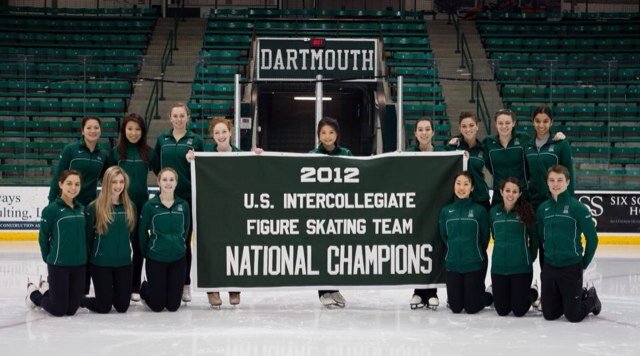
(64, 250)
(514, 250)
(464, 227)
(110, 220)
(164, 226)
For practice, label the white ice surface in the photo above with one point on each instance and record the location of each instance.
(282, 323)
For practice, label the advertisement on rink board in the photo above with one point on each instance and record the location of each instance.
(613, 212)
(300, 220)
(20, 207)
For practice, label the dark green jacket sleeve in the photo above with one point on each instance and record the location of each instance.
(143, 229)
(564, 158)
(44, 235)
(155, 161)
(63, 163)
(485, 233)
(90, 231)
(585, 222)
(534, 241)
(187, 222)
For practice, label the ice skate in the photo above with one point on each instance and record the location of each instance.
(416, 302)
(234, 298)
(214, 300)
(135, 297)
(144, 304)
(433, 303)
(27, 301)
(536, 304)
(591, 292)
(327, 300)
(339, 299)
(43, 285)
(186, 294)
(489, 291)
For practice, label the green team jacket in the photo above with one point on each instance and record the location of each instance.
(464, 228)
(337, 151)
(475, 165)
(560, 225)
(415, 147)
(170, 153)
(91, 166)
(539, 161)
(137, 170)
(515, 246)
(163, 231)
(507, 162)
(62, 234)
(114, 248)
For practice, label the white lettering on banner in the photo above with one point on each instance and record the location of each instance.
(336, 227)
(272, 227)
(317, 59)
(341, 260)
(393, 226)
(402, 200)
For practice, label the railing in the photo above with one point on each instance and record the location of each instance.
(456, 24)
(466, 61)
(152, 105)
(167, 60)
(482, 110)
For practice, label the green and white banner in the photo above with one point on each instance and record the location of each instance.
(302, 220)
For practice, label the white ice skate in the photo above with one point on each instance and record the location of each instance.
(339, 299)
(43, 285)
(416, 302)
(135, 297)
(27, 301)
(214, 300)
(186, 294)
(536, 304)
(433, 303)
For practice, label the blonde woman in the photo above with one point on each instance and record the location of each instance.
(111, 219)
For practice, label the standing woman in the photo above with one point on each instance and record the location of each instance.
(505, 154)
(64, 249)
(164, 225)
(423, 132)
(514, 250)
(85, 157)
(543, 152)
(171, 149)
(329, 135)
(468, 141)
(135, 157)
(464, 227)
(110, 220)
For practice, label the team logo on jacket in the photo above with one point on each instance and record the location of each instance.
(190, 141)
(566, 209)
(480, 154)
(516, 142)
(470, 214)
(179, 207)
(551, 148)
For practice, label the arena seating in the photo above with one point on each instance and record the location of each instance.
(57, 66)
(586, 67)
(229, 35)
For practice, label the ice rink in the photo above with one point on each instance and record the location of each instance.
(279, 323)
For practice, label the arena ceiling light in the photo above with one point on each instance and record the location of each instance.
(311, 98)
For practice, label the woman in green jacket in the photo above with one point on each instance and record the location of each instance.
(514, 250)
(110, 220)
(468, 141)
(64, 249)
(171, 149)
(423, 132)
(561, 222)
(329, 135)
(135, 157)
(164, 225)
(464, 228)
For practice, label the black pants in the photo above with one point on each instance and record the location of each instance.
(321, 292)
(188, 256)
(66, 285)
(513, 293)
(466, 291)
(136, 262)
(562, 293)
(427, 293)
(112, 286)
(163, 287)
